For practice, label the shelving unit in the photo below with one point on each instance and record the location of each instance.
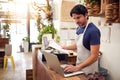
(110, 9)
(3, 41)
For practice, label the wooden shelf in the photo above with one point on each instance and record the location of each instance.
(97, 15)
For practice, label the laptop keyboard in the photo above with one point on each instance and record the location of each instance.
(68, 72)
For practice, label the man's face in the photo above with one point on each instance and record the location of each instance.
(80, 19)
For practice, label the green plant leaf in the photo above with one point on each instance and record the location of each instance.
(47, 29)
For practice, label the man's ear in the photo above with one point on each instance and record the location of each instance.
(86, 15)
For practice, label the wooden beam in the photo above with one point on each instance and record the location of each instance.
(14, 15)
(11, 21)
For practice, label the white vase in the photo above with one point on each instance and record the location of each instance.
(25, 46)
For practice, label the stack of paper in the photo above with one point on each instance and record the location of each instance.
(54, 45)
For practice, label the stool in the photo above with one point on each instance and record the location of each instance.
(5, 61)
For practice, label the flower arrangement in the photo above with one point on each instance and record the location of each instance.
(41, 26)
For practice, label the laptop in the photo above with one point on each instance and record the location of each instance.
(54, 64)
(46, 43)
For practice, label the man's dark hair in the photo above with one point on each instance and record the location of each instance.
(79, 9)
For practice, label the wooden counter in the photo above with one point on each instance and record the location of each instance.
(42, 72)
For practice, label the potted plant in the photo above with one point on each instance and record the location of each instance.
(47, 29)
(6, 26)
(26, 44)
(44, 28)
(6, 30)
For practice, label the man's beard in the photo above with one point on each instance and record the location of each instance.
(81, 24)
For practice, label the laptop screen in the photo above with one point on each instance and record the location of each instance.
(45, 41)
(54, 64)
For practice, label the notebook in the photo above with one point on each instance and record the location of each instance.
(54, 64)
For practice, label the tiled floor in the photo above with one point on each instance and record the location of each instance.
(23, 61)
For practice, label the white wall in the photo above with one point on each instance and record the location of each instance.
(110, 47)
(111, 53)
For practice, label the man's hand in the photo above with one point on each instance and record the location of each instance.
(71, 68)
(64, 47)
(70, 47)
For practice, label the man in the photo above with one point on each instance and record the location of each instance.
(87, 42)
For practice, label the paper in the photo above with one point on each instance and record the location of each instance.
(54, 45)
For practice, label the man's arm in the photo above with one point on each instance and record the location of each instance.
(93, 57)
(71, 47)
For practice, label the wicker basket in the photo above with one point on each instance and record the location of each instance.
(93, 9)
(115, 12)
